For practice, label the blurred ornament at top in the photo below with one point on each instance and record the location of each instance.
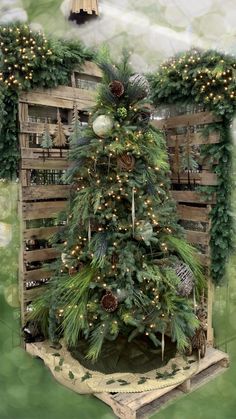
(82, 11)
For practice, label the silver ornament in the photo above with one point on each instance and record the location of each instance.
(142, 83)
(102, 125)
(186, 277)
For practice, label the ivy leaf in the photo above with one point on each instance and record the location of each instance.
(71, 375)
(142, 380)
(61, 362)
(56, 354)
(57, 368)
(86, 376)
(110, 382)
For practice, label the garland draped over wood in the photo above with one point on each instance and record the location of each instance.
(207, 78)
(29, 60)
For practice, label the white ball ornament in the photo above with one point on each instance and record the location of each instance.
(102, 125)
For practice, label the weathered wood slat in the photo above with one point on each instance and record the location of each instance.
(37, 274)
(191, 213)
(201, 118)
(38, 152)
(47, 164)
(60, 97)
(32, 193)
(192, 197)
(40, 233)
(39, 127)
(32, 294)
(203, 178)
(195, 139)
(40, 255)
(38, 210)
(197, 237)
(90, 69)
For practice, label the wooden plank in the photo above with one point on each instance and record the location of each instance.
(191, 213)
(47, 164)
(200, 118)
(91, 69)
(40, 233)
(196, 138)
(23, 111)
(61, 97)
(35, 153)
(38, 128)
(203, 178)
(197, 237)
(37, 274)
(40, 255)
(32, 193)
(192, 197)
(38, 210)
(32, 294)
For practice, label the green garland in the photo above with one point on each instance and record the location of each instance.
(207, 78)
(29, 60)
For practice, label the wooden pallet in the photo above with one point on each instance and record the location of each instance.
(143, 405)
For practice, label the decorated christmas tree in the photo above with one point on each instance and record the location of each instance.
(126, 271)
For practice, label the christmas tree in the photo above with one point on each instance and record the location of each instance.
(122, 250)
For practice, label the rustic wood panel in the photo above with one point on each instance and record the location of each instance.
(90, 68)
(191, 213)
(45, 164)
(60, 97)
(192, 197)
(203, 178)
(201, 118)
(40, 255)
(40, 233)
(195, 139)
(35, 153)
(197, 237)
(37, 274)
(38, 210)
(38, 128)
(32, 193)
(32, 294)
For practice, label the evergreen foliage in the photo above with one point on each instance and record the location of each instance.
(29, 60)
(207, 78)
(122, 237)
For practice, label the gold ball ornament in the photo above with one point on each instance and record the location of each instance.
(102, 125)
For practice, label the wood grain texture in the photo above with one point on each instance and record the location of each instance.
(38, 210)
(200, 118)
(40, 255)
(31, 193)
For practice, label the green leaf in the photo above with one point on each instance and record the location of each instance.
(71, 375)
(86, 376)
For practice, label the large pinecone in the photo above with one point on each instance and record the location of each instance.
(126, 162)
(109, 302)
(116, 88)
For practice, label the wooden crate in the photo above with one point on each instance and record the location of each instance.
(144, 405)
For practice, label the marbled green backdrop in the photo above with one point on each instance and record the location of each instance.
(153, 30)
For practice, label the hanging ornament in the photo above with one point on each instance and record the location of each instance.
(109, 302)
(142, 117)
(186, 277)
(46, 138)
(117, 88)
(82, 11)
(140, 81)
(60, 138)
(126, 162)
(122, 112)
(102, 125)
(121, 294)
(144, 231)
(72, 271)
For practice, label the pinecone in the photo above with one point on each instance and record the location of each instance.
(109, 302)
(126, 162)
(116, 88)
